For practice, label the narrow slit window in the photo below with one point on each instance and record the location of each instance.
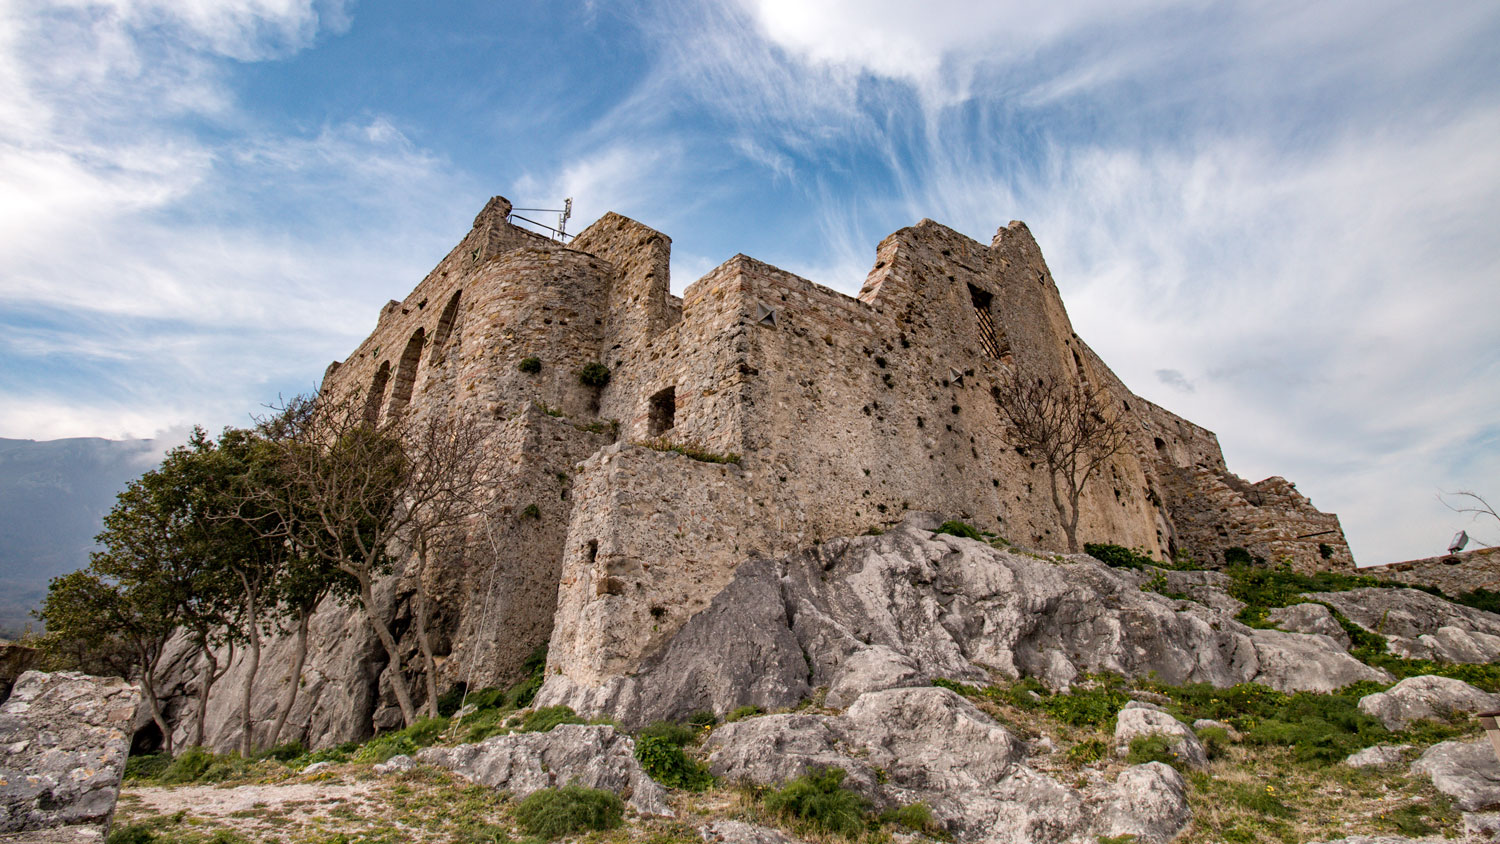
(663, 415)
(990, 336)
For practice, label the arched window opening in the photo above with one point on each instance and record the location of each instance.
(406, 374)
(377, 393)
(445, 323)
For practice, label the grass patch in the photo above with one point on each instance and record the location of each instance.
(1154, 748)
(690, 450)
(544, 719)
(554, 812)
(953, 527)
(818, 800)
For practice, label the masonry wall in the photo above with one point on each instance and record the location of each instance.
(1455, 574)
(844, 413)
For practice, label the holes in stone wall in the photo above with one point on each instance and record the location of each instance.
(663, 411)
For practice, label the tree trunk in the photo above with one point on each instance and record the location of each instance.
(252, 612)
(419, 609)
(1069, 523)
(299, 656)
(148, 691)
(398, 680)
(205, 686)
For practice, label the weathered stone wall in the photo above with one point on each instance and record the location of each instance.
(1455, 574)
(63, 742)
(845, 413)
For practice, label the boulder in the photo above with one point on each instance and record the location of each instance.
(739, 832)
(1309, 618)
(858, 614)
(872, 669)
(395, 764)
(1419, 625)
(1467, 771)
(1426, 698)
(63, 742)
(1148, 801)
(15, 660)
(1379, 756)
(899, 746)
(1482, 826)
(1139, 719)
(596, 756)
(1297, 662)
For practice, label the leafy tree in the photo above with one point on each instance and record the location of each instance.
(137, 591)
(1068, 427)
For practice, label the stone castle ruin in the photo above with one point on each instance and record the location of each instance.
(838, 415)
(845, 413)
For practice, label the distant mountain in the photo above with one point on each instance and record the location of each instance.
(53, 496)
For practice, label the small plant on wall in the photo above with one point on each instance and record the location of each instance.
(594, 375)
(530, 366)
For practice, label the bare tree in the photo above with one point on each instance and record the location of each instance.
(1467, 501)
(1068, 427)
(356, 490)
(442, 481)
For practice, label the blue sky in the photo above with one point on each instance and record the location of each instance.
(1277, 219)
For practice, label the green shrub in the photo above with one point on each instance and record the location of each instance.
(1237, 556)
(530, 366)
(594, 374)
(189, 766)
(554, 812)
(147, 767)
(743, 712)
(381, 748)
(1215, 741)
(1154, 748)
(531, 512)
(483, 724)
(286, 751)
(1325, 550)
(819, 799)
(664, 761)
(916, 817)
(544, 719)
(677, 734)
(702, 719)
(1117, 556)
(1481, 599)
(953, 527)
(1091, 750)
(136, 833)
(338, 753)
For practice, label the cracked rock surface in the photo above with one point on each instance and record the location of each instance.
(63, 741)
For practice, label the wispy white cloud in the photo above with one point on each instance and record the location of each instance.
(186, 276)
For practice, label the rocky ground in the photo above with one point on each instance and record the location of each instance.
(923, 686)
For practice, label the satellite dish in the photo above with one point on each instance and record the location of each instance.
(1460, 539)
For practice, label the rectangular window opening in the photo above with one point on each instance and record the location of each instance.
(663, 411)
(991, 338)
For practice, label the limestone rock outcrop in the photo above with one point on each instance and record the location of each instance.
(63, 742)
(1426, 697)
(909, 606)
(595, 756)
(905, 745)
(1142, 720)
(1419, 625)
(1309, 618)
(1467, 771)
